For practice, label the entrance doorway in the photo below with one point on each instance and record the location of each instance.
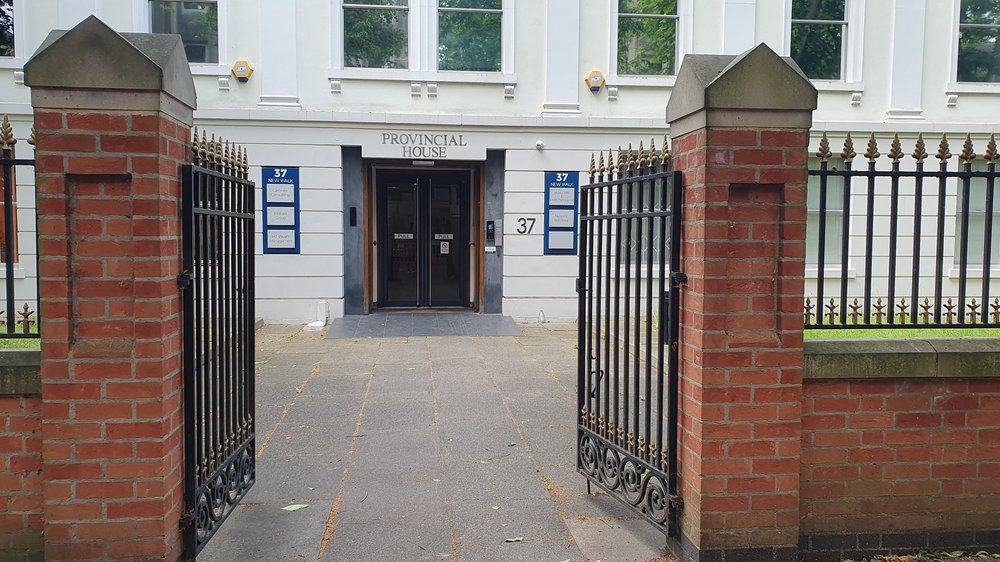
(423, 233)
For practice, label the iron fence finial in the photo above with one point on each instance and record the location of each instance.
(991, 151)
(642, 156)
(621, 160)
(665, 152)
(896, 150)
(630, 158)
(871, 152)
(592, 169)
(968, 155)
(920, 150)
(824, 153)
(943, 153)
(848, 153)
(7, 140)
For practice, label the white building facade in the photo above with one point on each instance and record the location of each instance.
(402, 149)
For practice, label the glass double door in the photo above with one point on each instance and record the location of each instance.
(423, 246)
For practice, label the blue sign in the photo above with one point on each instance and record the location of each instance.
(562, 192)
(281, 210)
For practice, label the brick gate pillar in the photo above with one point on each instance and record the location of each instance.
(740, 131)
(112, 117)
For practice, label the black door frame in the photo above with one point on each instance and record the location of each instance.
(423, 234)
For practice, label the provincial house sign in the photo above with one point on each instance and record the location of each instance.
(423, 145)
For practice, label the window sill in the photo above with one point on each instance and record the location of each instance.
(838, 86)
(829, 272)
(973, 88)
(199, 69)
(973, 273)
(12, 62)
(441, 76)
(643, 81)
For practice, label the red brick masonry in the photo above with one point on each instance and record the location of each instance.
(901, 457)
(20, 474)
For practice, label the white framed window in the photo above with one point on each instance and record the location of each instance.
(201, 25)
(979, 217)
(833, 235)
(649, 39)
(430, 40)
(826, 38)
(13, 48)
(977, 42)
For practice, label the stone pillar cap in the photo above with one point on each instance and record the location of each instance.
(758, 79)
(94, 56)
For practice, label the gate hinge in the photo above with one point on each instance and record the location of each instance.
(677, 503)
(185, 279)
(187, 519)
(679, 278)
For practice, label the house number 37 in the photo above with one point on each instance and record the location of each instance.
(525, 225)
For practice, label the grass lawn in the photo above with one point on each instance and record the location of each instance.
(19, 343)
(911, 333)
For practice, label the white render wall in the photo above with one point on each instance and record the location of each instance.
(289, 113)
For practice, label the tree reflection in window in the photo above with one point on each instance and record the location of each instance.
(647, 37)
(979, 41)
(6, 28)
(469, 35)
(376, 33)
(819, 30)
(196, 22)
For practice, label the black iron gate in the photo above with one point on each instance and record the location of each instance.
(217, 208)
(628, 332)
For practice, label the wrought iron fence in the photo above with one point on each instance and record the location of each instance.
(217, 212)
(16, 321)
(628, 331)
(906, 246)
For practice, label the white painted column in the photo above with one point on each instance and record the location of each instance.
(278, 69)
(72, 12)
(562, 57)
(906, 78)
(739, 23)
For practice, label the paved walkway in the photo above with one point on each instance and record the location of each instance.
(423, 448)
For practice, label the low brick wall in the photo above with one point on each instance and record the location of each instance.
(900, 447)
(21, 502)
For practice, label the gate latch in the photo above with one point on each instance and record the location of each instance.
(185, 279)
(679, 278)
(579, 286)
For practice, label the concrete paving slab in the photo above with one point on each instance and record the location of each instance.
(418, 478)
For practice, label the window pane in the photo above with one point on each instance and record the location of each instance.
(818, 10)
(482, 4)
(660, 7)
(818, 49)
(977, 223)
(375, 38)
(6, 28)
(981, 11)
(196, 22)
(834, 219)
(469, 41)
(978, 55)
(646, 45)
